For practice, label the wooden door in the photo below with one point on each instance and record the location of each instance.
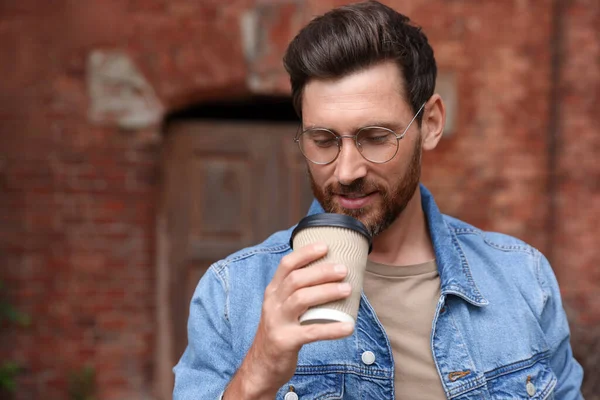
(226, 185)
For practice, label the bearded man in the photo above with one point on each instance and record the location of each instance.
(447, 312)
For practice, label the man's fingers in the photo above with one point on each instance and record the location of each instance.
(331, 331)
(316, 274)
(307, 297)
(297, 259)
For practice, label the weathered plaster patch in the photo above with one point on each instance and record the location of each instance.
(119, 93)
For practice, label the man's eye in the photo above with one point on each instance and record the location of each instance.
(375, 137)
(325, 142)
(321, 138)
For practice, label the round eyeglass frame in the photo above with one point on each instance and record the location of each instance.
(355, 138)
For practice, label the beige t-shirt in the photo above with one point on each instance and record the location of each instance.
(405, 299)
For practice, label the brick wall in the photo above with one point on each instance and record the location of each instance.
(575, 249)
(79, 181)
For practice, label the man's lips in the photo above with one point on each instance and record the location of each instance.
(354, 200)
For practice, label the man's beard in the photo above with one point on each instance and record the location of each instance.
(376, 218)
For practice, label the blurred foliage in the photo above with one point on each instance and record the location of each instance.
(82, 384)
(8, 372)
(10, 315)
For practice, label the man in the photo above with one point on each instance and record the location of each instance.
(448, 311)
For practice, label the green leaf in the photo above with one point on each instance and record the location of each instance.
(23, 319)
(8, 371)
(11, 314)
(82, 384)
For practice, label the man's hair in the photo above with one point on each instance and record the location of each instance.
(357, 36)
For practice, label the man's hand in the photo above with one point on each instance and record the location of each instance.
(272, 358)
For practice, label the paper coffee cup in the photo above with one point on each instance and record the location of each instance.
(349, 243)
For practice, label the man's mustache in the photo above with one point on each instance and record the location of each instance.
(359, 186)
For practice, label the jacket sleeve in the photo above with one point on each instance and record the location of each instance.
(556, 328)
(207, 364)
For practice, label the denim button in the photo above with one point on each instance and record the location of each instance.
(291, 396)
(368, 357)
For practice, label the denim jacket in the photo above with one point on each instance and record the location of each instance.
(499, 330)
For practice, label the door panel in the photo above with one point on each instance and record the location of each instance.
(225, 186)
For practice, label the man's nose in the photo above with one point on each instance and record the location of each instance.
(350, 164)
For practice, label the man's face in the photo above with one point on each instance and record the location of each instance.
(376, 194)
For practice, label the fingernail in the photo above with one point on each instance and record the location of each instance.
(340, 268)
(344, 288)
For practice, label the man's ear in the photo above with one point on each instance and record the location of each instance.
(434, 119)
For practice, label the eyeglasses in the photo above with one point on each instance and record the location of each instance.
(375, 143)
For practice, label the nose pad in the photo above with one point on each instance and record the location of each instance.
(359, 146)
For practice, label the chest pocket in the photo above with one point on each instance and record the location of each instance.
(316, 386)
(522, 380)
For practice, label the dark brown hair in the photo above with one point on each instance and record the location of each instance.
(353, 37)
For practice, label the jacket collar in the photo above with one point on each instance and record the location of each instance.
(453, 267)
(455, 273)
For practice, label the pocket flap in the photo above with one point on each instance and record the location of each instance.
(531, 382)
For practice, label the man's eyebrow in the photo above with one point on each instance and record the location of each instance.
(394, 126)
(385, 124)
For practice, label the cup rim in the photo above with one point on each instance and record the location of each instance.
(332, 220)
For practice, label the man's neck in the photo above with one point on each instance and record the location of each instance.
(407, 240)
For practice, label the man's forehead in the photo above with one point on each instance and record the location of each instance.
(357, 96)
(357, 101)
(347, 87)
(367, 85)
(367, 98)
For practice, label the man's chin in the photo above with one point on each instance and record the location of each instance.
(364, 215)
(357, 213)
(374, 223)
